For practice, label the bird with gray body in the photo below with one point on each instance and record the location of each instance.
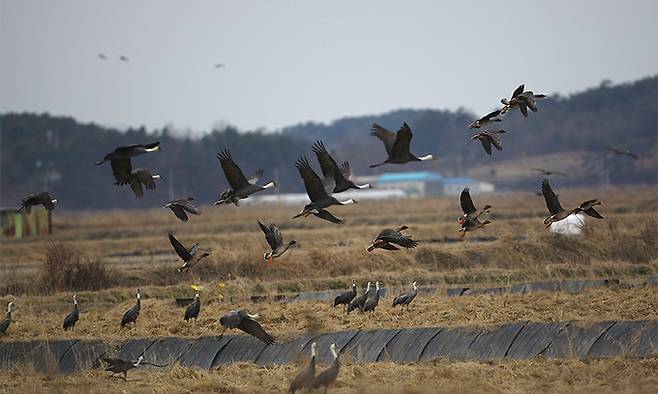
(246, 322)
(373, 300)
(549, 172)
(557, 212)
(470, 221)
(4, 324)
(72, 318)
(515, 102)
(318, 190)
(404, 299)
(358, 302)
(530, 100)
(274, 238)
(330, 168)
(218, 65)
(328, 376)
(489, 138)
(241, 186)
(192, 310)
(346, 297)
(623, 152)
(388, 238)
(118, 365)
(489, 118)
(397, 145)
(42, 198)
(124, 58)
(181, 206)
(306, 376)
(102, 56)
(120, 161)
(130, 316)
(139, 177)
(189, 256)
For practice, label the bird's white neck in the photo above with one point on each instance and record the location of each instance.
(333, 352)
(350, 201)
(428, 157)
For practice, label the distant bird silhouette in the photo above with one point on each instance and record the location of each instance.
(397, 145)
(358, 302)
(488, 138)
(241, 187)
(318, 190)
(330, 169)
(515, 102)
(388, 238)
(180, 206)
(189, 256)
(372, 300)
(218, 65)
(404, 299)
(246, 322)
(620, 152)
(72, 318)
(42, 198)
(329, 375)
(549, 172)
(123, 59)
(275, 239)
(102, 56)
(486, 119)
(118, 365)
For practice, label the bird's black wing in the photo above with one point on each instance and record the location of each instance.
(491, 115)
(518, 90)
(233, 173)
(327, 163)
(254, 328)
(121, 169)
(328, 216)
(388, 137)
(495, 140)
(46, 201)
(145, 177)
(181, 250)
(552, 202)
(466, 202)
(179, 212)
(486, 144)
(187, 205)
(312, 182)
(401, 145)
(270, 237)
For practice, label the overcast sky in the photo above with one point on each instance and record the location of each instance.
(293, 61)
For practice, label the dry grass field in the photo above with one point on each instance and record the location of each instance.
(103, 257)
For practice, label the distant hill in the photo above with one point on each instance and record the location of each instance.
(568, 134)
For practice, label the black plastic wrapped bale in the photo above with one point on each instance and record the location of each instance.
(456, 291)
(494, 343)
(649, 340)
(573, 286)
(47, 355)
(519, 288)
(533, 339)
(450, 343)
(651, 281)
(622, 339)
(82, 356)
(487, 290)
(283, 353)
(574, 341)
(367, 346)
(203, 351)
(552, 286)
(166, 351)
(240, 349)
(407, 346)
(17, 353)
(318, 296)
(131, 349)
(324, 341)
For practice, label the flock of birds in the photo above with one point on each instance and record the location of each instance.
(335, 179)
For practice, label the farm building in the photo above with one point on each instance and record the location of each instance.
(19, 224)
(426, 183)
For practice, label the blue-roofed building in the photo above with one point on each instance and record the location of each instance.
(427, 183)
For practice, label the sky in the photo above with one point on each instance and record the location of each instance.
(287, 62)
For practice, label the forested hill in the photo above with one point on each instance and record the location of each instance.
(567, 134)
